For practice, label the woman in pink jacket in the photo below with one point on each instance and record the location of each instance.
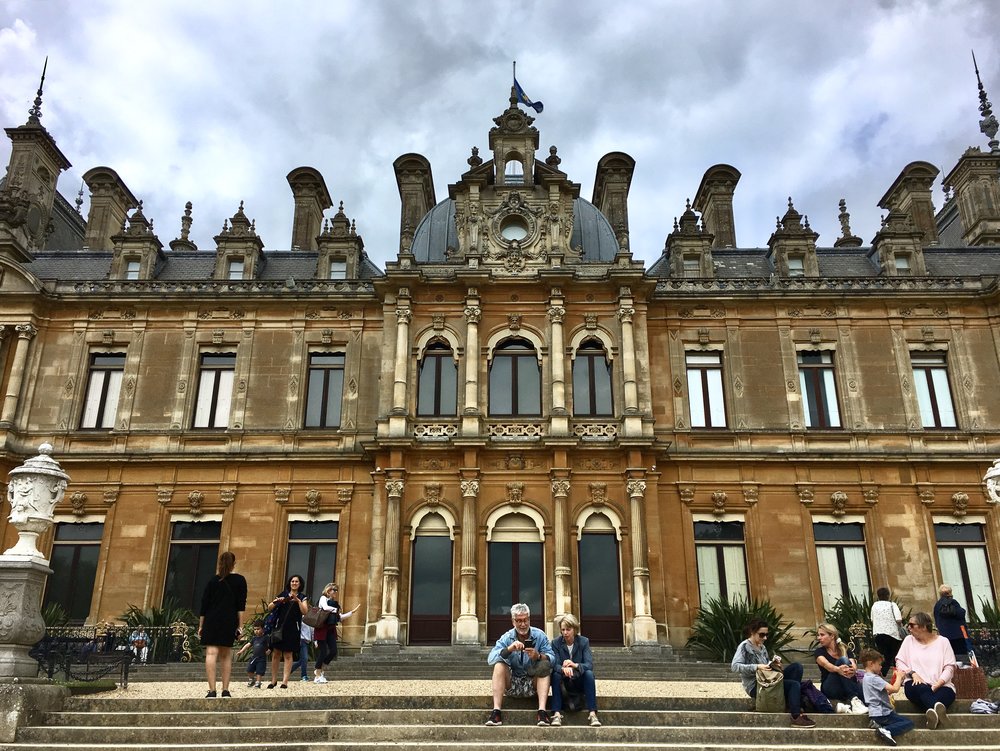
(929, 664)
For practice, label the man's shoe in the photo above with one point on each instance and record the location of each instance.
(543, 719)
(594, 722)
(802, 722)
(496, 718)
(885, 736)
(941, 711)
(858, 706)
(557, 719)
(932, 719)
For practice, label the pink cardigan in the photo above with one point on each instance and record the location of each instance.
(931, 661)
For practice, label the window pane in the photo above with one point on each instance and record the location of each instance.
(225, 400)
(501, 387)
(189, 568)
(922, 385)
(528, 386)
(959, 533)
(857, 571)
(203, 407)
(449, 385)
(709, 581)
(942, 391)
(427, 386)
(314, 399)
(829, 531)
(114, 386)
(599, 568)
(715, 401)
(326, 530)
(334, 395)
(501, 590)
(696, 396)
(829, 575)
(830, 399)
(602, 386)
(72, 532)
(581, 386)
(195, 530)
(734, 559)
(431, 575)
(951, 571)
(979, 579)
(530, 575)
(718, 531)
(338, 269)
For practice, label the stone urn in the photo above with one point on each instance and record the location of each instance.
(33, 491)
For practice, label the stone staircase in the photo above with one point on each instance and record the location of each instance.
(453, 723)
(611, 663)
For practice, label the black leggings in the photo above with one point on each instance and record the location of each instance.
(327, 648)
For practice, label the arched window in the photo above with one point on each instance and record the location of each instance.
(515, 380)
(438, 381)
(592, 381)
(513, 173)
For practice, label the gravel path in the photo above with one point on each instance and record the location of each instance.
(177, 690)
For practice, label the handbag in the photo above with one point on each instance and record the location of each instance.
(315, 617)
(770, 691)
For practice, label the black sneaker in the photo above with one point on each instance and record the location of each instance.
(496, 718)
(226, 695)
(543, 719)
(250, 683)
(210, 695)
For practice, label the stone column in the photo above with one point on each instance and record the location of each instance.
(387, 629)
(631, 420)
(397, 414)
(471, 411)
(25, 333)
(559, 421)
(643, 624)
(564, 572)
(467, 627)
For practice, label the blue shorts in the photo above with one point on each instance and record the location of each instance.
(257, 666)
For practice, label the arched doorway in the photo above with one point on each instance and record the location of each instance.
(515, 572)
(600, 580)
(431, 581)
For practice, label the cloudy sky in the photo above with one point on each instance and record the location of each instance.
(214, 102)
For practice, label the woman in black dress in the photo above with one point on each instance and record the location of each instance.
(221, 620)
(289, 607)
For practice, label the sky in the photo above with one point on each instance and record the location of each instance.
(215, 102)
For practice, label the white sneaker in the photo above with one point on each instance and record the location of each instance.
(843, 708)
(858, 707)
(320, 679)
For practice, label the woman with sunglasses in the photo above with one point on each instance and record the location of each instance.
(929, 664)
(751, 656)
(326, 633)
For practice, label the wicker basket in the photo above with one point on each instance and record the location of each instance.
(970, 683)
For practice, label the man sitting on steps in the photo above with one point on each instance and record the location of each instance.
(522, 662)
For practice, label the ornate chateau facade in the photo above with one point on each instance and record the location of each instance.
(514, 409)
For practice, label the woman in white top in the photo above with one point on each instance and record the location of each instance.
(326, 633)
(887, 623)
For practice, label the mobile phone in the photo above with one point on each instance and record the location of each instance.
(529, 643)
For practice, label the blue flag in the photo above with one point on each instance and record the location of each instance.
(523, 98)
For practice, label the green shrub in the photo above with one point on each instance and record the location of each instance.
(718, 627)
(165, 616)
(54, 615)
(849, 610)
(986, 616)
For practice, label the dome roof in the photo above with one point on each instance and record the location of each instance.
(591, 231)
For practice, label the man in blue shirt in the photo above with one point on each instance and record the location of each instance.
(522, 662)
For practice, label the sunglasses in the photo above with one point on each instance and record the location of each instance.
(762, 634)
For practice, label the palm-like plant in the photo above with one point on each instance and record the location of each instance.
(54, 615)
(718, 627)
(855, 612)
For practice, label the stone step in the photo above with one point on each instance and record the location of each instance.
(542, 743)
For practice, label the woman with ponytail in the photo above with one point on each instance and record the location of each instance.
(220, 621)
(837, 670)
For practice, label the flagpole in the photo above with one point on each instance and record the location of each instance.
(515, 70)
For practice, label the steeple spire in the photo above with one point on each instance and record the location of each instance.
(988, 125)
(36, 110)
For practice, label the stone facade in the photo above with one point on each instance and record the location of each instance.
(514, 408)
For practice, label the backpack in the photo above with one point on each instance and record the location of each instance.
(949, 609)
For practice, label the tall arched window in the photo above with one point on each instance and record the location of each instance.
(438, 381)
(515, 380)
(592, 381)
(513, 172)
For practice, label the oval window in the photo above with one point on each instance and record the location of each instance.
(513, 228)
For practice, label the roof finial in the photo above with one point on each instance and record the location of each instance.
(79, 199)
(36, 110)
(988, 125)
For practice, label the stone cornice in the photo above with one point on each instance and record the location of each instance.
(158, 287)
(785, 286)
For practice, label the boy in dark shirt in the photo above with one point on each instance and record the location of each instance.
(258, 660)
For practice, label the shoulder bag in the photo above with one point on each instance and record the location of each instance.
(770, 691)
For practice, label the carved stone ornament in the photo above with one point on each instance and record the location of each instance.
(33, 491)
(313, 497)
(557, 314)
(195, 499)
(751, 494)
(394, 488)
(598, 493)
(991, 481)
(470, 488)
(839, 500)
(514, 321)
(473, 314)
(687, 494)
(560, 488)
(806, 495)
(404, 315)
(110, 495)
(961, 503)
(719, 498)
(926, 495)
(163, 495)
(636, 488)
(870, 494)
(227, 496)
(344, 495)
(432, 493)
(78, 501)
(281, 495)
(515, 493)
(625, 315)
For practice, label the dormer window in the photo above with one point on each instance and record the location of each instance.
(796, 266)
(513, 171)
(902, 265)
(132, 270)
(234, 269)
(338, 269)
(692, 266)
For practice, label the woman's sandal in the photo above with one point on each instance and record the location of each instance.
(284, 685)
(271, 685)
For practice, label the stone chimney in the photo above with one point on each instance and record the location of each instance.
(416, 194)
(110, 202)
(911, 194)
(714, 199)
(976, 182)
(311, 200)
(611, 186)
